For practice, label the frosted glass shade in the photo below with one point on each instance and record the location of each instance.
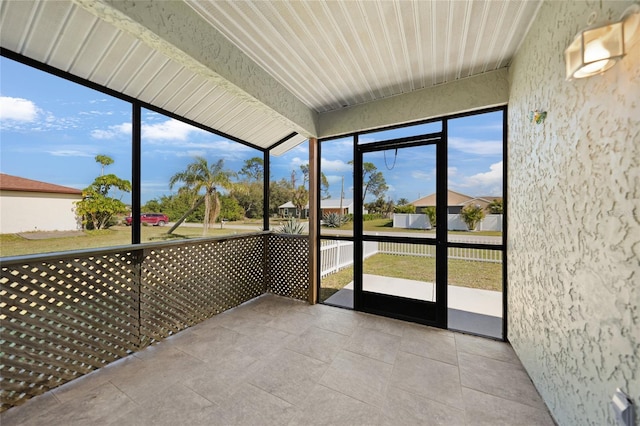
(594, 51)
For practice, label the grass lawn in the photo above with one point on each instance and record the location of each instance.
(463, 273)
(15, 245)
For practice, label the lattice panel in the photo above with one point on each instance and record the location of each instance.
(188, 283)
(62, 318)
(288, 266)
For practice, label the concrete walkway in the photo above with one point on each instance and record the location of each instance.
(484, 302)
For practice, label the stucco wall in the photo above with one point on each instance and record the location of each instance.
(468, 94)
(33, 211)
(574, 220)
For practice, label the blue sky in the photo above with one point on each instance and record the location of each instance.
(52, 129)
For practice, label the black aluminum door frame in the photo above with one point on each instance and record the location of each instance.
(430, 313)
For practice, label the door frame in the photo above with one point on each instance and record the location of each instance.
(430, 313)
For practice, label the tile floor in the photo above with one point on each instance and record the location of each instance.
(276, 361)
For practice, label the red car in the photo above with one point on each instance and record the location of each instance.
(155, 219)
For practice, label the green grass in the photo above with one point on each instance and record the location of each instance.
(15, 245)
(463, 273)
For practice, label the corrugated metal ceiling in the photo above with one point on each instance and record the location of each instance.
(333, 54)
(329, 55)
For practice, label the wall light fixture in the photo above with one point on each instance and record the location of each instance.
(598, 47)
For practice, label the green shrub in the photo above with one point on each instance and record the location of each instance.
(471, 215)
(334, 220)
(431, 214)
(405, 209)
(291, 226)
(374, 216)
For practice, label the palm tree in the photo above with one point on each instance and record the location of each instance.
(199, 176)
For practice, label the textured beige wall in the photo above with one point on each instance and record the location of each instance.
(468, 94)
(574, 220)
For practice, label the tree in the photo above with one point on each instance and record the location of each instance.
(373, 181)
(253, 169)
(105, 160)
(202, 176)
(380, 206)
(471, 215)
(403, 202)
(300, 199)
(406, 209)
(431, 214)
(230, 209)
(280, 192)
(324, 182)
(97, 208)
(249, 191)
(495, 206)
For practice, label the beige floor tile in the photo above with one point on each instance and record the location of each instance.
(34, 407)
(484, 409)
(155, 373)
(275, 361)
(95, 407)
(357, 376)
(405, 408)
(430, 342)
(326, 406)
(386, 325)
(292, 322)
(288, 375)
(337, 320)
(374, 344)
(217, 382)
(319, 344)
(253, 406)
(486, 347)
(429, 378)
(503, 379)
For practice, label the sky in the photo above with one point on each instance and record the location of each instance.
(52, 129)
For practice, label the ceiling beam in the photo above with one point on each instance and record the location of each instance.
(179, 32)
(472, 93)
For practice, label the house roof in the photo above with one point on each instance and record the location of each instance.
(453, 199)
(15, 183)
(273, 73)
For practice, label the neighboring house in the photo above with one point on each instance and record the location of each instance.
(330, 205)
(31, 205)
(456, 201)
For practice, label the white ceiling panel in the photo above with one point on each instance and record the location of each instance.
(325, 55)
(333, 54)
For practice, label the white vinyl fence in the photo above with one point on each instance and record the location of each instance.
(336, 255)
(491, 222)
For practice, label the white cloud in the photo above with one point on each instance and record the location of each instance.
(191, 153)
(335, 166)
(476, 146)
(334, 179)
(452, 171)
(422, 175)
(487, 183)
(70, 153)
(17, 109)
(296, 162)
(112, 132)
(168, 130)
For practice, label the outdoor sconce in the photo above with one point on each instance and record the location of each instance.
(598, 47)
